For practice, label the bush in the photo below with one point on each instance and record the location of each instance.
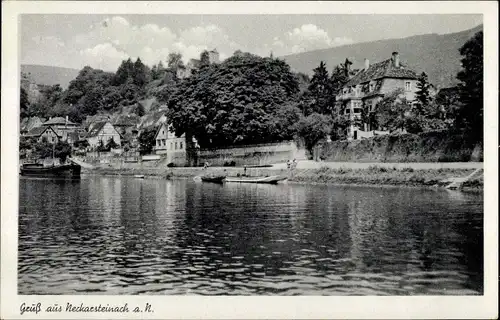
(171, 165)
(231, 163)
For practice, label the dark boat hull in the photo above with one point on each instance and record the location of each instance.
(68, 170)
(215, 179)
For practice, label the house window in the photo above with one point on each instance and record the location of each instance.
(347, 111)
(157, 143)
(164, 142)
(180, 147)
(176, 145)
(357, 110)
(171, 146)
(407, 85)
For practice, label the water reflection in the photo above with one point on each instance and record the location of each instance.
(131, 236)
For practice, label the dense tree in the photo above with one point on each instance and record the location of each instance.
(139, 110)
(448, 103)
(470, 115)
(313, 129)
(140, 73)
(147, 140)
(175, 61)
(422, 95)
(154, 72)
(392, 111)
(204, 58)
(24, 104)
(44, 149)
(234, 102)
(125, 70)
(112, 98)
(319, 92)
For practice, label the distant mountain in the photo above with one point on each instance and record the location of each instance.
(50, 75)
(435, 54)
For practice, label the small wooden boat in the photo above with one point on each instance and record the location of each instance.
(247, 179)
(213, 179)
(139, 176)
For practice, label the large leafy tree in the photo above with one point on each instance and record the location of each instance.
(313, 129)
(470, 115)
(235, 102)
(174, 61)
(147, 140)
(393, 110)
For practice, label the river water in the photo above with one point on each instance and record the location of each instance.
(112, 235)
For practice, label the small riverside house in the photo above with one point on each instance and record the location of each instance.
(167, 141)
(367, 87)
(103, 131)
(44, 132)
(62, 126)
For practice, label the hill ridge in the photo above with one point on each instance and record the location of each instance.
(436, 54)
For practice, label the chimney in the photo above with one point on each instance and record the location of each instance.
(367, 64)
(395, 59)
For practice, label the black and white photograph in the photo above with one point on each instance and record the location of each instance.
(247, 154)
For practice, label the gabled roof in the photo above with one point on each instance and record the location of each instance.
(98, 127)
(384, 69)
(38, 131)
(159, 127)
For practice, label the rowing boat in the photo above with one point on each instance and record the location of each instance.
(214, 179)
(246, 179)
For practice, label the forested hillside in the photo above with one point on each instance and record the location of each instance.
(437, 55)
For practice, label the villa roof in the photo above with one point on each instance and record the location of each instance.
(384, 69)
(58, 121)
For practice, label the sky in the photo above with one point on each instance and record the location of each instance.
(103, 41)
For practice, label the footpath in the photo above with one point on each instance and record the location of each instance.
(312, 172)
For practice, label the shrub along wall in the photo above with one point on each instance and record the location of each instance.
(436, 146)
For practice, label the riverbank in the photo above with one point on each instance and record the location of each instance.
(371, 175)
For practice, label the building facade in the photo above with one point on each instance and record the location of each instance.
(103, 131)
(369, 86)
(44, 133)
(62, 126)
(170, 146)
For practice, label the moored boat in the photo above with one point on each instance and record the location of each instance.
(213, 178)
(64, 170)
(247, 179)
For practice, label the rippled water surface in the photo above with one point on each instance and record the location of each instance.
(107, 235)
